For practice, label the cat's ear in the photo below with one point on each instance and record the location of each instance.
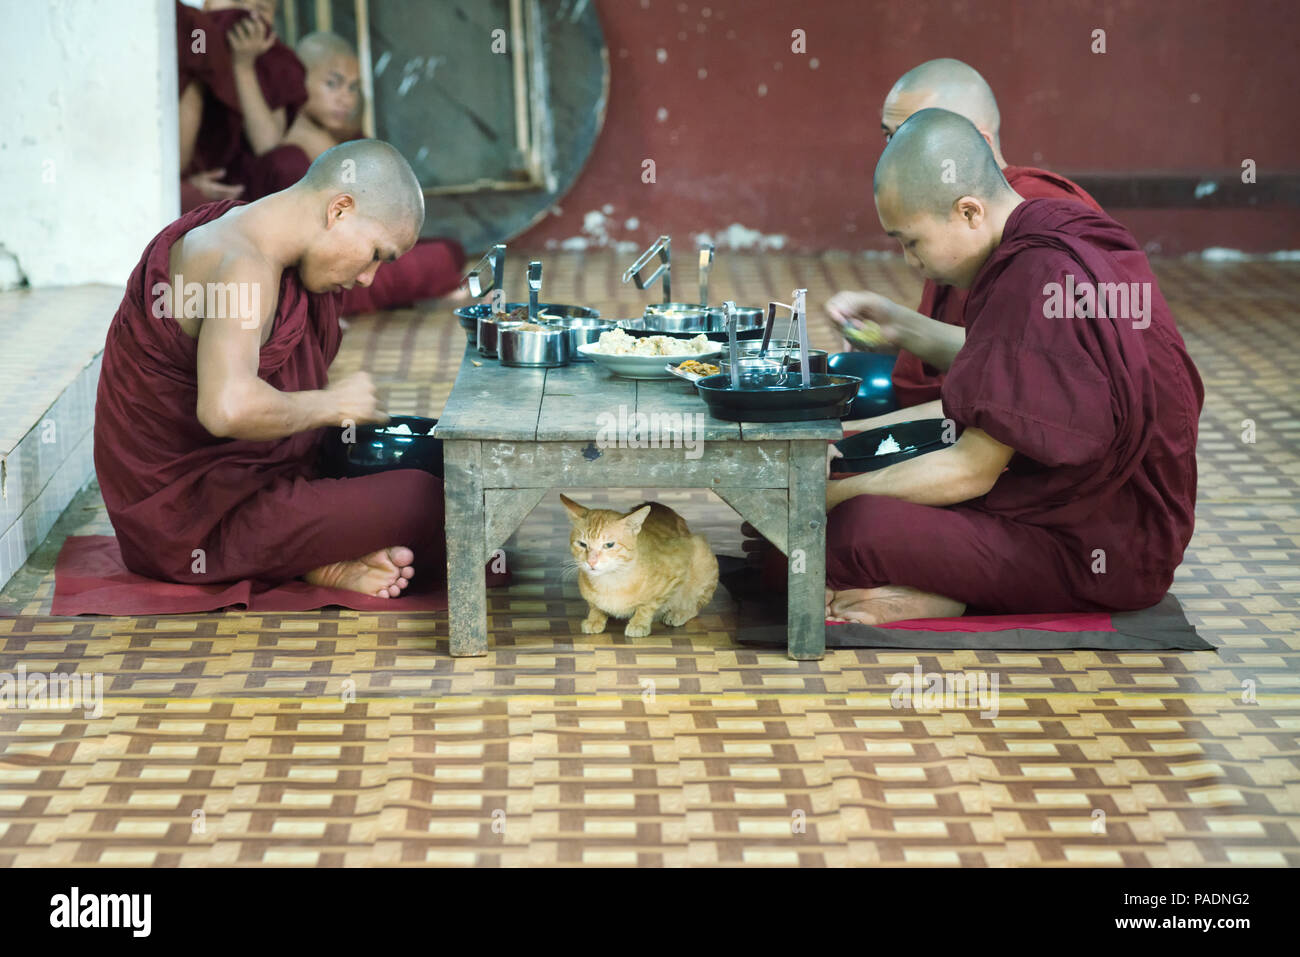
(576, 511)
(634, 520)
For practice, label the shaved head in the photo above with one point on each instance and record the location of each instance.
(933, 160)
(377, 176)
(322, 46)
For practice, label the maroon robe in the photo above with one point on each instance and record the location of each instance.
(1096, 506)
(258, 510)
(221, 142)
(916, 382)
(430, 269)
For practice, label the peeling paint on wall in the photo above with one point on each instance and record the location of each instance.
(737, 236)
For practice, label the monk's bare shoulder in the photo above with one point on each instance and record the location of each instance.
(221, 273)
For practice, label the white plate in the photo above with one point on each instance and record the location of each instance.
(640, 367)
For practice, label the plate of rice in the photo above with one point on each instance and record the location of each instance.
(647, 357)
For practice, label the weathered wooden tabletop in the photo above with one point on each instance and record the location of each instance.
(493, 402)
(511, 435)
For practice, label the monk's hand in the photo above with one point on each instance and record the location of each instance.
(208, 182)
(355, 399)
(249, 39)
(832, 453)
(867, 320)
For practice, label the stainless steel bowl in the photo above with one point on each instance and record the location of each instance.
(534, 348)
(489, 332)
(468, 316)
(818, 360)
(582, 330)
(756, 372)
(678, 317)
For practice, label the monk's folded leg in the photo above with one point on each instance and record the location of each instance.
(983, 561)
(297, 526)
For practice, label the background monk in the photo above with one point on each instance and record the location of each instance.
(1092, 416)
(951, 85)
(225, 51)
(215, 390)
(331, 116)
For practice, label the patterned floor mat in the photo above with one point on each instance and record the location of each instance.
(340, 737)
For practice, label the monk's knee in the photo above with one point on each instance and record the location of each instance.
(867, 536)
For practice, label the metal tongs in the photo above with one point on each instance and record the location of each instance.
(534, 287)
(706, 266)
(661, 247)
(494, 259)
(799, 319)
(733, 351)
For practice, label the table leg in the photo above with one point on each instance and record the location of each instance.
(466, 586)
(806, 612)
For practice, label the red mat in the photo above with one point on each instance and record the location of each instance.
(90, 579)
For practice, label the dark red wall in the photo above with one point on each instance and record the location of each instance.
(1186, 85)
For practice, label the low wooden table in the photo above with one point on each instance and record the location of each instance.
(511, 435)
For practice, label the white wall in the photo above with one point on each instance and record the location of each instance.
(88, 137)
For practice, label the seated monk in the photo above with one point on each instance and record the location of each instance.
(1072, 484)
(328, 118)
(224, 52)
(951, 85)
(215, 390)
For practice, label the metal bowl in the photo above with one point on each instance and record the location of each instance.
(756, 371)
(679, 317)
(544, 348)
(489, 335)
(641, 327)
(828, 397)
(469, 315)
(375, 450)
(582, 330)
(817, 358)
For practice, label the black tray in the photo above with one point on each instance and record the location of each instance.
(828, 398)
(915, 438)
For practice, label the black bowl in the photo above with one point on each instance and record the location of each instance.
(827, 398)
(876, 395)
(376, 451)
(913, 438)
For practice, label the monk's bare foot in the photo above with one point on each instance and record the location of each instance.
(876, 606)
(383, 573)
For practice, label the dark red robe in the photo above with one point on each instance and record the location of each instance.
(221, 141)
(915, 382)
(1096, 506)
(257, 510)
(430, 269)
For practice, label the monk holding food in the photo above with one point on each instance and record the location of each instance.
(951, 85)
(215, 390)
(1072, 483)
(330, 117)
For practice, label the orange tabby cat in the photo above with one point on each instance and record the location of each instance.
(644, 565)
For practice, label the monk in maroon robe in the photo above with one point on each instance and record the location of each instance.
(1072, 483)
(215, 391)
(225, 51)
(330, 117)
(952, 85)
